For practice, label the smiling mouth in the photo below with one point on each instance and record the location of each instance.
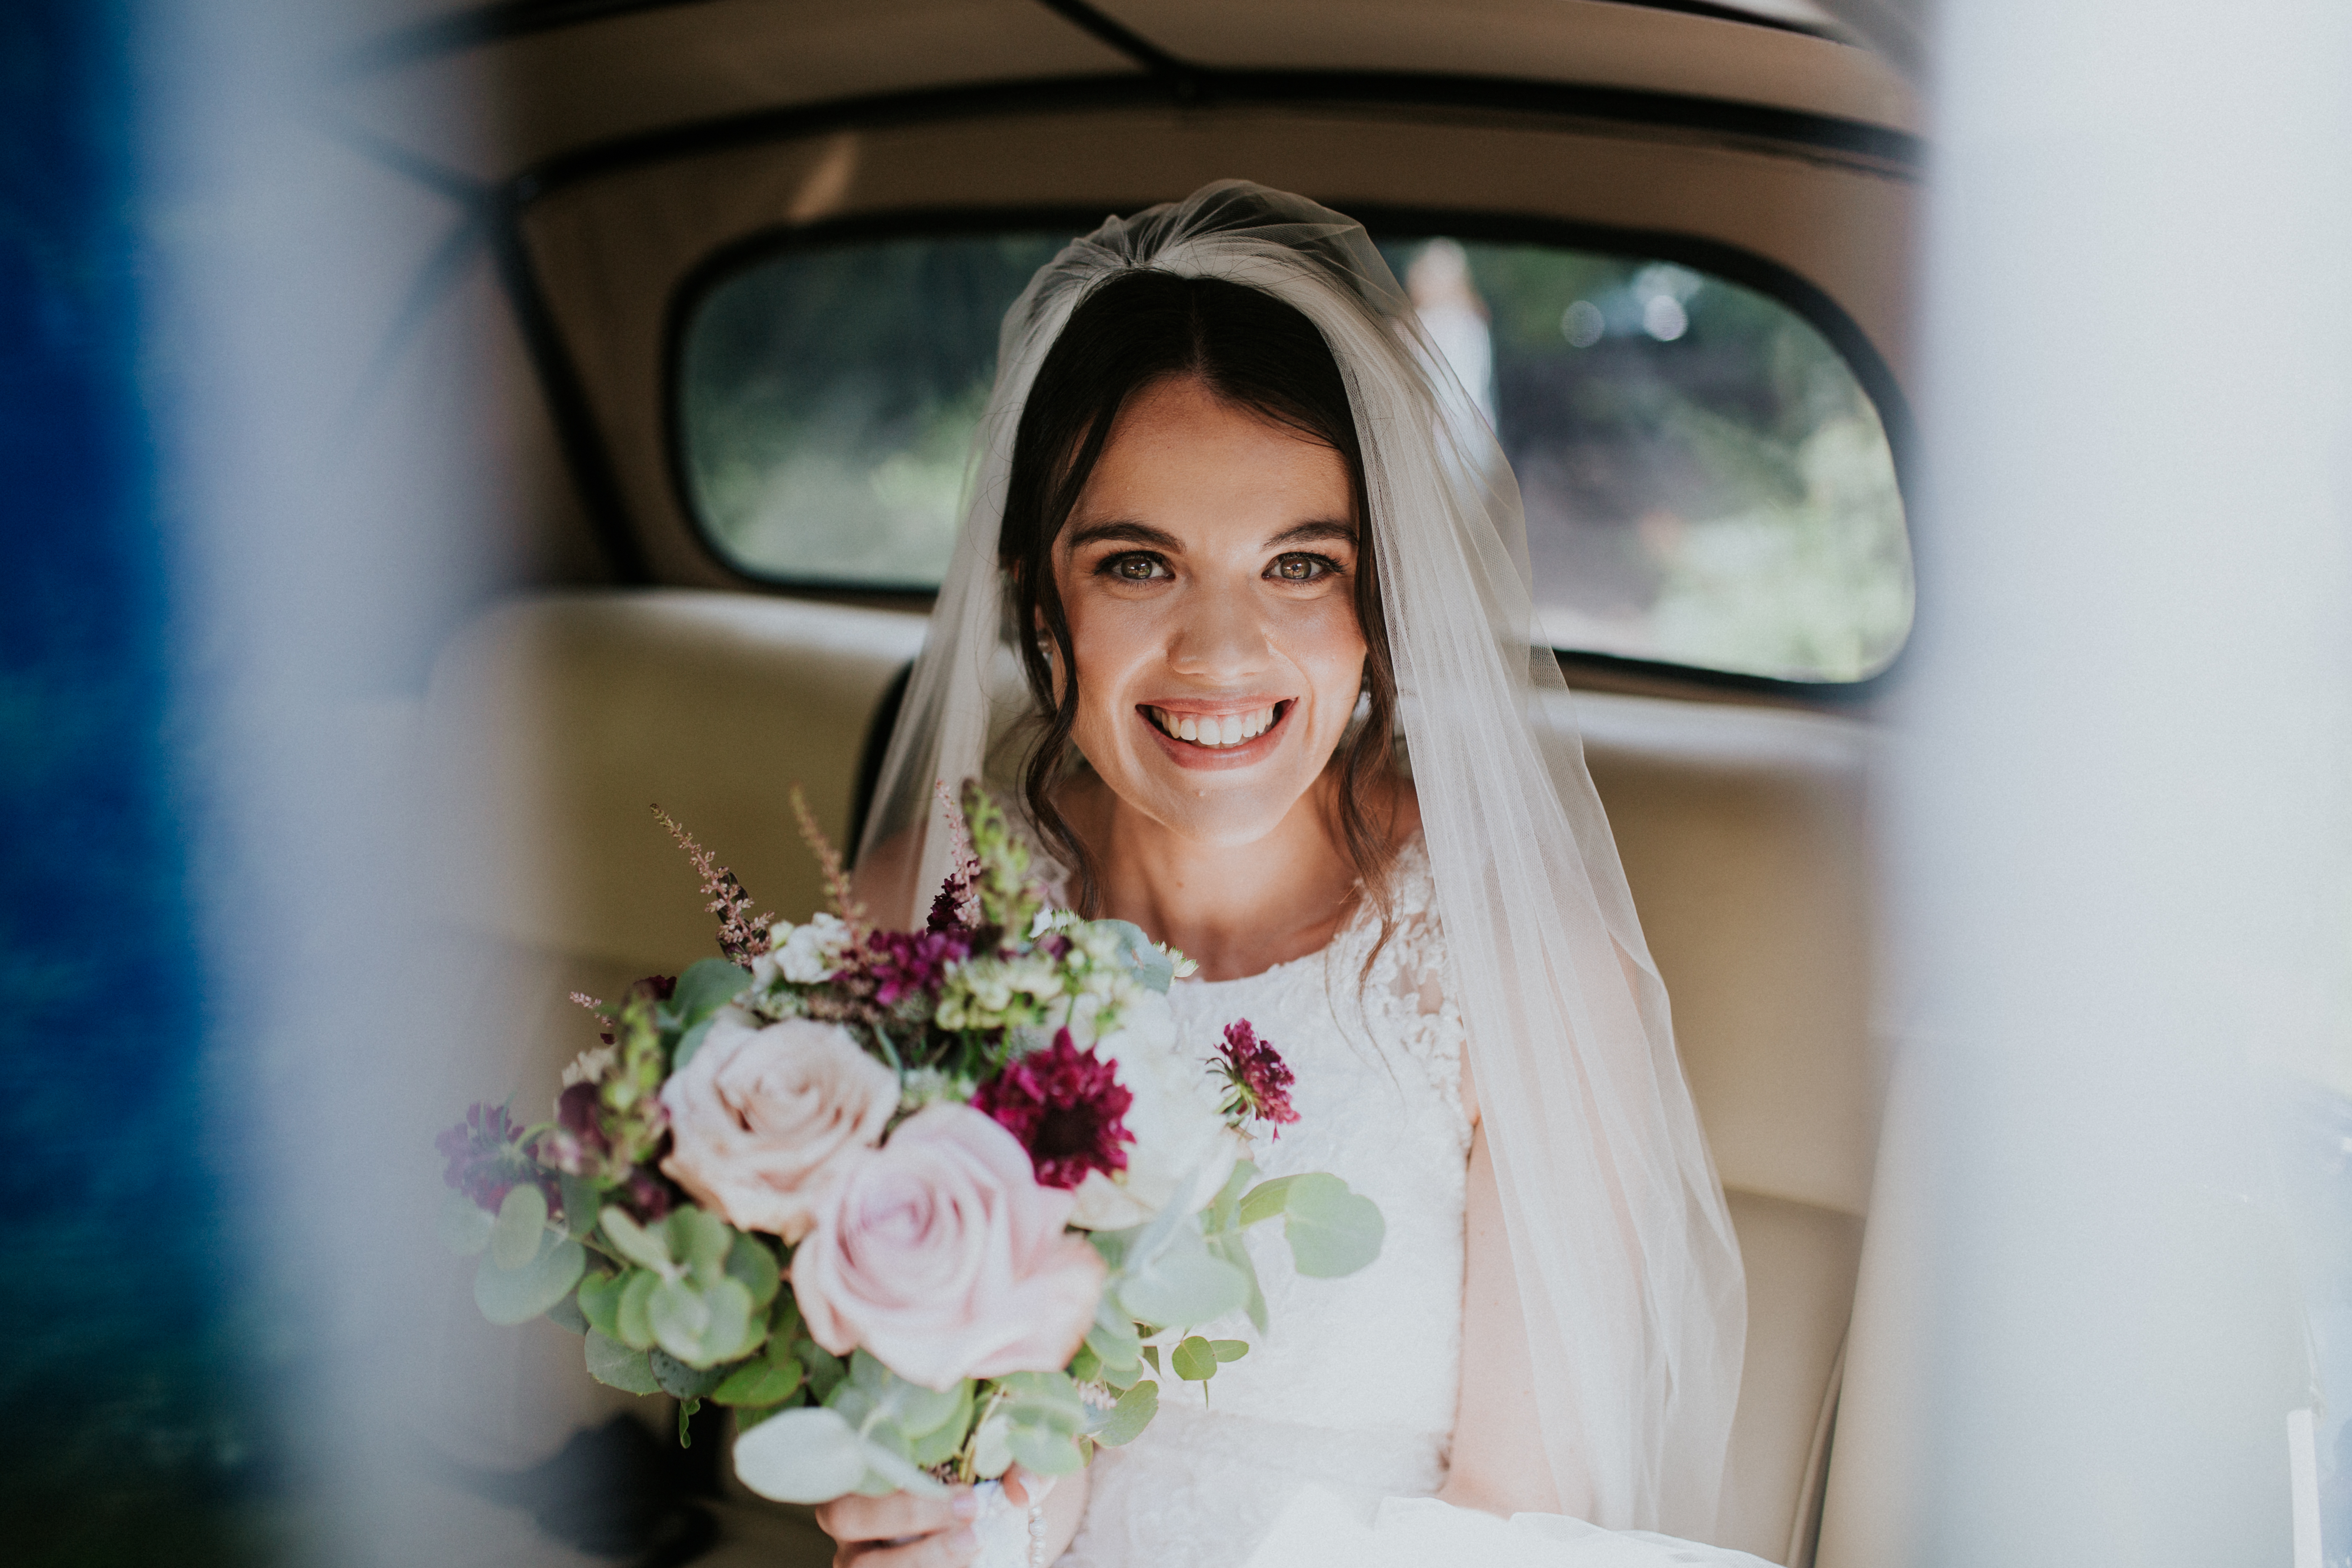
(1215, 732)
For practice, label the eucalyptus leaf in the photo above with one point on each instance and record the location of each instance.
(1228, 1350)
(759, 1383)
(888, 1471)
(1048, 1453)
(1266, 1200)
(682, 1380)
(616, 1365)
(464, 1226)
(1183, 1284)
(600, 1302)
(705, 987)
(700, 1327)
(689, 1042)
(522, 1219)
(873, 1393)
(991, 1449)
(1143, 958)
(580, 1205)
(1124, 1421)
(809, 1454)
(825, 1370)
(938, 1445)
(566, 1314)
(1193, 1360)
(700, 1240)
(634, 1324)
(1086, 1366)
(643, 1248)
(1224, 1213)
(510, 1296)
(1229, 1246)
(1332, 1232)
(750, 1261)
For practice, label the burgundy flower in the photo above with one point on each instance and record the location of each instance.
(1067, 1108)
(485, 1161)
(904, 962)
(576, 1143)
(1257, 1080)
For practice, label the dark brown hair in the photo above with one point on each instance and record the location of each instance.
(1250, 350)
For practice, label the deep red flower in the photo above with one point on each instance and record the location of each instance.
(1257, 1080)
(1067, 1108)
(576, 1143)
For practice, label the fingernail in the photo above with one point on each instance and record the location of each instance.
(966, 1506)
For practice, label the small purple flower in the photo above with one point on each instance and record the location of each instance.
(485, 1161)
(1257, 1080)
(904, 962)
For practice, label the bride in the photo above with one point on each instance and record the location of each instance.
(1280, 702)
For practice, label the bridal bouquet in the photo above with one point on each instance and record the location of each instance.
(917, 1205)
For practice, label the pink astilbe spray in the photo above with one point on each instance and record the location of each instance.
(742, 936)
(837, 890)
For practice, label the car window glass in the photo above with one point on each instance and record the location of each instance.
(1707, 483)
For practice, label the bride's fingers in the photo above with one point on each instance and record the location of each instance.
(853, 1520)
(1027, 1489)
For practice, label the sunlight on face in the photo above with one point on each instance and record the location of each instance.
(1208, 571)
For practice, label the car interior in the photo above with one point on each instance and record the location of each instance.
(733, 268)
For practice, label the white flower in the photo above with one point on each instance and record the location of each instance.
(806, 954)
(1181, 1142)
(590, 1067)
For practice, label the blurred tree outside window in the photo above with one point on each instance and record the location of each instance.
(1707, 483)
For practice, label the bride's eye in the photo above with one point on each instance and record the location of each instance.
(1302, 568)
(1134, 568)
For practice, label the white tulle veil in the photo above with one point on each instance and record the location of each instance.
(1627, 1265)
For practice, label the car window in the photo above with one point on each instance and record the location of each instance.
(1706, 483)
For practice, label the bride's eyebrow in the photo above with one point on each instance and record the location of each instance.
(1310, 532)
(1125, 533)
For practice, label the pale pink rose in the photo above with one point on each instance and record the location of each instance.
(762, 1121)
(943, 1256)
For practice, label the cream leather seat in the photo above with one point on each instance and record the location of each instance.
(556, 722)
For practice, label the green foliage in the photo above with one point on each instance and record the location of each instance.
(646, 1249)
(750, 1261)
(515, 1234)
(599, 1299)
(464, 1226)
(618, 1366)
(705, 987)
(806, 1456)
(681, 1379)
(1144, 958)
(1193, 1360)
(1035, 1417)
(510, 1296)
(1331, 1231)
(1179, 1280)
(632, 1314)
(1124, 1422)
(761, 1382)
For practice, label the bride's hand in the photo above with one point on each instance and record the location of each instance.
(902, 1530)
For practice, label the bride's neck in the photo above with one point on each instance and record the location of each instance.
(1237, 909)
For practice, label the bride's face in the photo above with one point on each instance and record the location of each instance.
(1208, 574)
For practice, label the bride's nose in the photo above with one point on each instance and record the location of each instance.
(1220, 635)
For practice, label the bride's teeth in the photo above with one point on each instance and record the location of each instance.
(1232, 728)
(1188, 729)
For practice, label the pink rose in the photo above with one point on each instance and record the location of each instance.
(943, 1256)
(762, 1121)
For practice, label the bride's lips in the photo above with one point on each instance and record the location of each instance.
(1256, 723)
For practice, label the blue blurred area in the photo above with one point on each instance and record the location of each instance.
(124, 1439)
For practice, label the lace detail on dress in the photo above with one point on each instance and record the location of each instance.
(1355, 1387)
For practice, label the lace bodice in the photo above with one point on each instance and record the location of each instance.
(1354, 1386)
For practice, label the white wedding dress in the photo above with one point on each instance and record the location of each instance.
(1321, 1446)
